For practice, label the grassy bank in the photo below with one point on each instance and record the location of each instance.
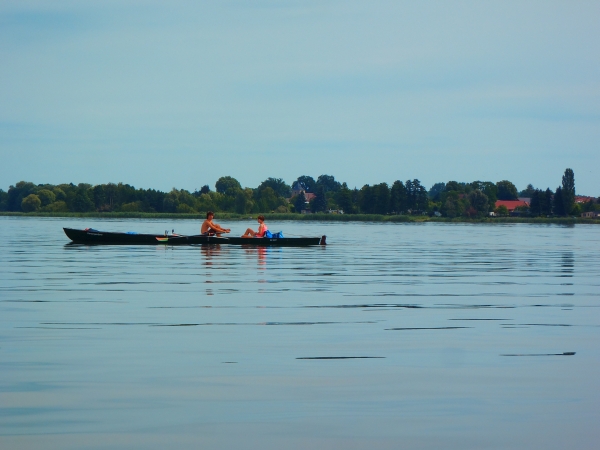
(310, 217)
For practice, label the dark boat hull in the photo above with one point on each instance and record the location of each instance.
(90, 236)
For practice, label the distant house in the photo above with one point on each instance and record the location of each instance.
(511, 204)
(297, 190)
(591, 214)
(583, 198)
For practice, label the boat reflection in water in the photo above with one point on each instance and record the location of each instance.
(210, 252)
(259, 252)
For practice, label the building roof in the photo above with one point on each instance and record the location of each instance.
(583, 198)
(511, 204)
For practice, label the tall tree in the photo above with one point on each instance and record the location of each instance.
(528, 191)
(241, 202)
(547, 202)
(223, 184)
(506, 190)
(328, 183)
(537, 198)
(308, 184)
(398, 200)
(31, 203)
(381, 194)
(343, 198)
(559, 207)
(479, 202)
(300, 202)
(278, 185)
(436, 190)
(568, 190)
(3, 200)
(319, 204)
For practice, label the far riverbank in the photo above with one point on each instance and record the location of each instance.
(312, 217)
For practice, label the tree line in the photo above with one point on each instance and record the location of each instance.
(305, 194)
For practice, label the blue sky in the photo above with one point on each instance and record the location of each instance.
(177, 94)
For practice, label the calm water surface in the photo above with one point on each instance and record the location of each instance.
(424, 336)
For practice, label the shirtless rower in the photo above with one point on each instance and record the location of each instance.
(211, 228)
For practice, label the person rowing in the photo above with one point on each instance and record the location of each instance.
(210, 228)
(262, 229)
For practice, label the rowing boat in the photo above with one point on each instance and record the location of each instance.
(91, 236)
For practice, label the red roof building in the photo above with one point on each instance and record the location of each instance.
(583, 198)
(511, 204)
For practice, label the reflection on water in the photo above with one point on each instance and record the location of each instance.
(394, 335)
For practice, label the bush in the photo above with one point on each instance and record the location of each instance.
(501, 210)
(31, 203)
(182, 208)
(59, 206)
(131, 207)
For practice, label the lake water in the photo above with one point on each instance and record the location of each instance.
(416, 336)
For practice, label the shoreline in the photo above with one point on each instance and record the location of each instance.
(312, 217)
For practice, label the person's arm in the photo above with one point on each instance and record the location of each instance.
(216, 227)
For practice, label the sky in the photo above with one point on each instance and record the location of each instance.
(179, 93)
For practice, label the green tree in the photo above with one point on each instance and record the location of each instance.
(436, 190)
(489, 189)
(278, 185)
(223, 184)
(131, 207)
(568, 190)
(58, 206)
(547, 202)
(99, 196)
(267, 200)
(319, 203)
(241, 202)
(455, 186)
(558, 205)
(501, 210)
(528, 191)
(60, 194)
(328, 183)
(306, 183)
(506, 190)
(81, 202)
(416, 195)
(46, 196)
(31, 203)
(398, 197)
(367, 200)
(171, 201)
(17, 193)
(184, 208)
(3, 200)
(479, 202)
(300, 202)
(537, 198)
(343, 198)
(452, 206)
(381, 194)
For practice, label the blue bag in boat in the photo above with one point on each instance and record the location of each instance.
(278, 235)
(268, 234)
